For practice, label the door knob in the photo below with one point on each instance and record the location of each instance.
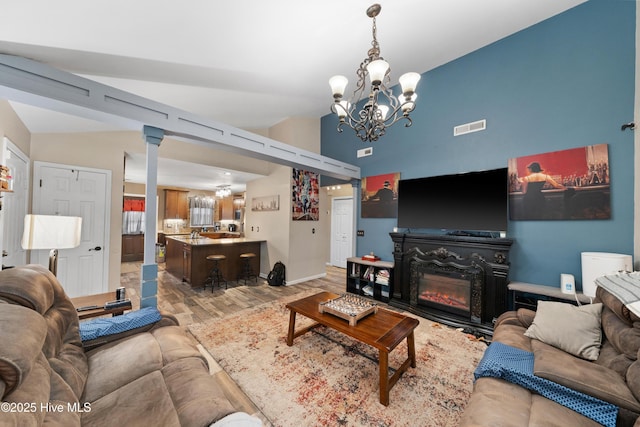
(97, 248)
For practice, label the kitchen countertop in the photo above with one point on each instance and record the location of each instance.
(237, 233)
(205, 241)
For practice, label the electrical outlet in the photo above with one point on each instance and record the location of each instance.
(360, 233)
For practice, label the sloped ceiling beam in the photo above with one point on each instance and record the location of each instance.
(30, 82)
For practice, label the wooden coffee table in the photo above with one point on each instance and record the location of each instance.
(383, 330)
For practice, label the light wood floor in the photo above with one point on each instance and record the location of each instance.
(194, 305)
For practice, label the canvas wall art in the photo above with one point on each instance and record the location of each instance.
(379, 196)
(305, 196)
(265, 203)
(560, 185)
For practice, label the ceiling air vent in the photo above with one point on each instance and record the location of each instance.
(470, 127)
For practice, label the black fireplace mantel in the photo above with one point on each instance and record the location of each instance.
(489, 255)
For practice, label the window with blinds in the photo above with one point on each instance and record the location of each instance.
(201, 211)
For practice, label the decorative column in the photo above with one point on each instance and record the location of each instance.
(356, 185)
(149, 270)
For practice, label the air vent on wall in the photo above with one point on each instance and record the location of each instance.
(470, 127)
(365, 152)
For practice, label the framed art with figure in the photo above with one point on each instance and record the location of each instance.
(379, 196)
(560, 185)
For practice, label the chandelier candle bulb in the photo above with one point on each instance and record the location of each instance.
(408, 103)
(409, 82)
(338, 85)
(377, 70)
(384, 110)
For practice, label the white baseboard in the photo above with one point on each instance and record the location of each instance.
(303, 279)
(328, 264)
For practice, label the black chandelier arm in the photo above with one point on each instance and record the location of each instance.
(401, 117)
(362, 74)
(370, 131)
(369, 125)
(391, 100)
(366, 129)
(394, 117)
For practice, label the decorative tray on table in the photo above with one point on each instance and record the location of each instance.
(349, 307)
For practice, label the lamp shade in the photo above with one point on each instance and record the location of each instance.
(51, 232)
(338, 85)
(377, 70)
(408, 82)
(384, 110)
(408, 103)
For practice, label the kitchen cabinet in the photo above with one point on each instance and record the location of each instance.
(226, 208)
(186, 258)
(186, 263)
(132, 247)
(176, 204)
(178, 259)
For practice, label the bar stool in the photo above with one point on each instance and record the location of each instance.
(215, 275)
(247, 272)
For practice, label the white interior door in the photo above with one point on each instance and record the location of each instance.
(77, 191)
(15, 205)
(341, 230)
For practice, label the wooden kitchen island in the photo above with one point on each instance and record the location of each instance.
(186, 258)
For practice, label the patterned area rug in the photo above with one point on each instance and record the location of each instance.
(328, 379)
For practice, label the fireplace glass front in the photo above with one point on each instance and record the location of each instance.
(447, 291)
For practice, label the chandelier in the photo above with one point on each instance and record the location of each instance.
(371, 122)
(223, 191)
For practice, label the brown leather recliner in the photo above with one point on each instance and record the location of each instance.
(150, 376)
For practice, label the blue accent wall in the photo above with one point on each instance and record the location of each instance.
(566, 82)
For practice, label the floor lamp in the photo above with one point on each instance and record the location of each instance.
(51, 232)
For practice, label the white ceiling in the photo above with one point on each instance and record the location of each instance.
(247, 63)
(176, 173)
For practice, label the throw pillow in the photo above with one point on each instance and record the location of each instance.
(570, 328)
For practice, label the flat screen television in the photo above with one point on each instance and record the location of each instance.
(473, 201)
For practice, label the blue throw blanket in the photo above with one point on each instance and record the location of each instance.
(96, 328)
(516, 366)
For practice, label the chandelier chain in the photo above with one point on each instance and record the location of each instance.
(374, 52)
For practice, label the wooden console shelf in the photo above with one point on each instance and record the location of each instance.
(527, 295)
(369, 278)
